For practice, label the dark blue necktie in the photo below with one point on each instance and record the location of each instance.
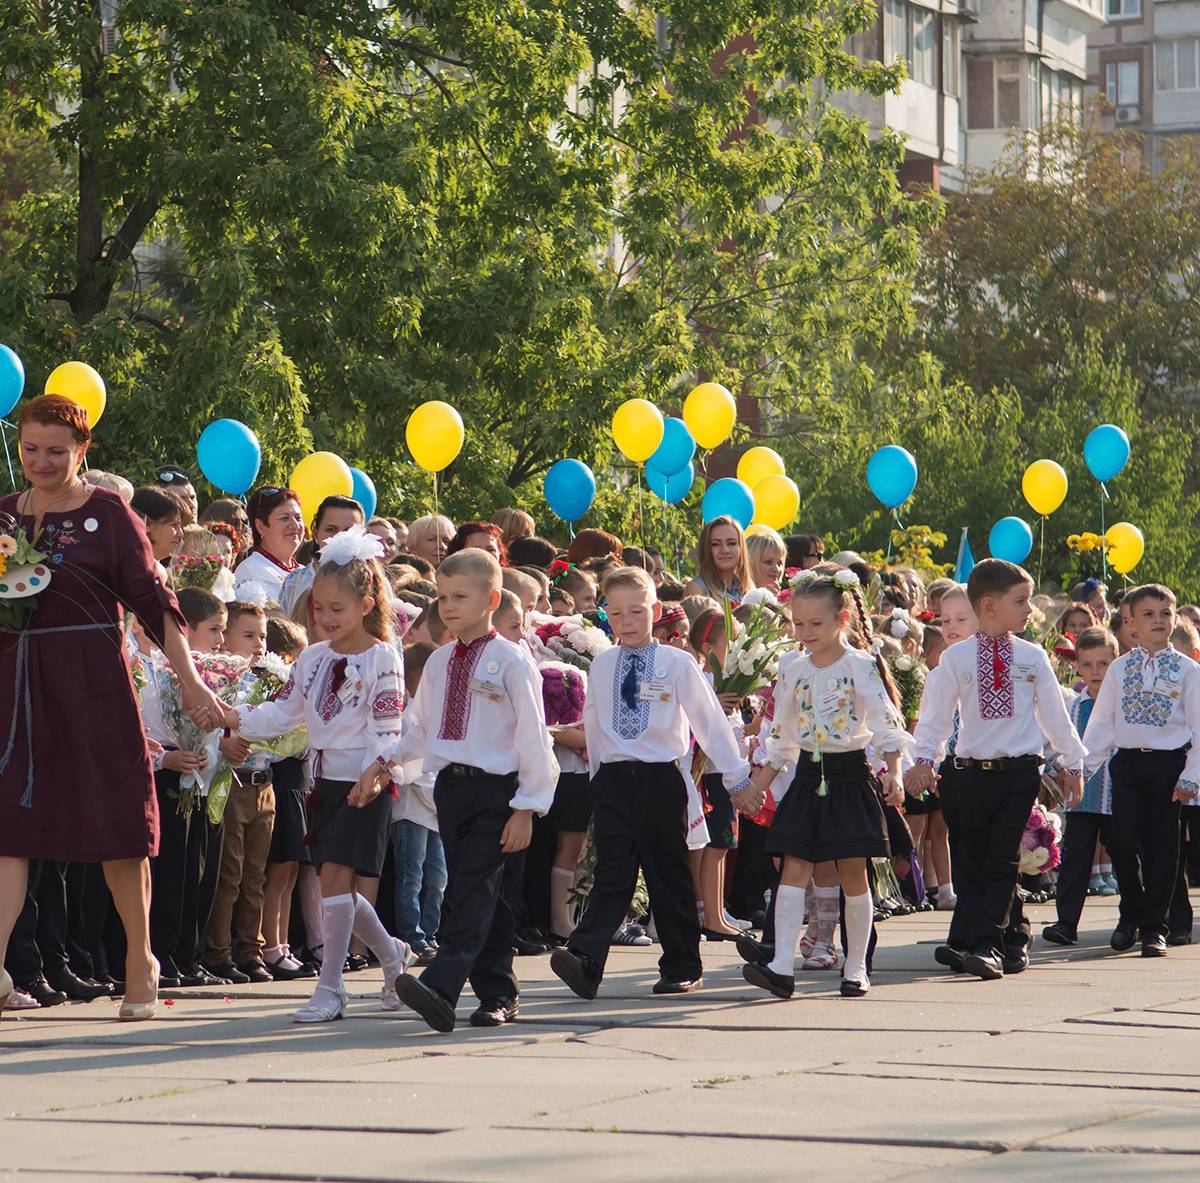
(1085, 713)
(630, 685)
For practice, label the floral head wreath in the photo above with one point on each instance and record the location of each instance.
(225, 530)
(352, 544)
(802, 579)
(901, 624)
(558, 569)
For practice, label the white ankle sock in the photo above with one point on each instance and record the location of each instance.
(945, 890)
(337, 920)
(859, 911)
(562, 879)
(789, 917)
(369, 929)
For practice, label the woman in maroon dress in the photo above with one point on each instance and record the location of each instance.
(75, 776)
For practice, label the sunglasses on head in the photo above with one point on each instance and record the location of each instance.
(173, 476)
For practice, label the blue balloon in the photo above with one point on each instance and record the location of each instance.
(892, 475)
(729, 498)
(12, 379)
(674, 488)
(364, 492)
(1106, 451)
(229, 456)
(1011, 539)
(675, 452)
(570, 489)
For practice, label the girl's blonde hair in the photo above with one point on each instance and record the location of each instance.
(714, 581)
(199, 541)
(365, 577)
(514, 523)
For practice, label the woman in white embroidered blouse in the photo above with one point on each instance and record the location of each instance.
(349, 692)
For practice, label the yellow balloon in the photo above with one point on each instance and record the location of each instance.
(759, 463)
(317, 476)
(435, 435)
(637, 428)
(776, 501)
(77, 381)
(1126, 545)
(710, 412)
(1044, 486)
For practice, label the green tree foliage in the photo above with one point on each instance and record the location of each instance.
(314, 216)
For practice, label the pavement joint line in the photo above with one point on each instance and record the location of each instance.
(1123, 1023)
(1041, 1069)
(1116, 1086)
(1038, 1148)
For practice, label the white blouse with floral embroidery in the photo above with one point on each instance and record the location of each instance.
(841, 708)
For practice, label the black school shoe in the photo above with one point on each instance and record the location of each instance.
(752, 951)
(1155, 946)
(677, 985)
(255, 971)
(1015, 962)
(853, 989)
(760, 974)
(228, 972)
(427, 1002)
(43, 993)
(197, 975)
(495, 1012)
(1124, 936)
(951, 958)
(79, 989)
(1179, 938)
(986, 966)
(578, 971)
(1059, 934)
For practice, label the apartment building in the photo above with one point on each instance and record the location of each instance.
(1145, 63)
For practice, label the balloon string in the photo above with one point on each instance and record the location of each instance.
(12, 476)
(641, 518)
(435, 495)
(1041, 549)
(1103, 531)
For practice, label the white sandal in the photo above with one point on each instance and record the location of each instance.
(323, 1007)
(7, 989)
(390, 1000)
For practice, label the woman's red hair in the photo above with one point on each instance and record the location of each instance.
(459, 541)
(52, 410)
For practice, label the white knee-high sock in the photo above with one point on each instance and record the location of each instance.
(369, 929)
(789, 918)
(562, 879)
(337, 918)
(859, 912)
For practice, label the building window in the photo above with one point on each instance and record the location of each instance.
(911, 33)
(923, 34)
(1124, 10)
(1122, 83)
(1177, 64)
(950, 56)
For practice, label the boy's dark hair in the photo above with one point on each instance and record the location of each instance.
(670, 591)
(156, 504)
(634, 556)
(237, 609)
(532, 552)
(993, 577)
(285, 636)
(198, 605)
(558, 596)
(419, 565)
(415, 657)
(431, 618)
(1096, 638)
(1148, 591)
(416, 599)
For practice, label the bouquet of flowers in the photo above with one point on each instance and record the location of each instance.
(23, 574)
(570, 639)
(195, 571)
(909, 674)
(221, 674)
(1041, 848)
(752, 658)
(261, 684)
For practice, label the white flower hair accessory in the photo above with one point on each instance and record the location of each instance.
(900, 625)
(876, 645)
(251, 592)
(802, 579)
(352, 544)
(846, 579)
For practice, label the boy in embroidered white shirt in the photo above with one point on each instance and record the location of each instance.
(1146, 715)
(1009, 704)
(642, 698)
(477, 721)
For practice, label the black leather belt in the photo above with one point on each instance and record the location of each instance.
(467, 770)
(255, 777)
(1000, 764)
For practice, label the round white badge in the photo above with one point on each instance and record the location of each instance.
(660, 672)
(493, 667)
(91, 525)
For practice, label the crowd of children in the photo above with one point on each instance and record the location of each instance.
(544, 751)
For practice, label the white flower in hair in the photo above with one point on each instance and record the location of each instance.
(251, 592)
(846, 579)
(803, 579)
(876, 645)
(901, 623)
(352, 544)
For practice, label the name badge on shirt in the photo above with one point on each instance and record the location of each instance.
(1026, 673)
(654, 692)
(832, 700)
(349, 688)
(488, 690)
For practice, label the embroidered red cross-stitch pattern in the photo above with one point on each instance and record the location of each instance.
(386, 705)
(994, 673)
(456, 710)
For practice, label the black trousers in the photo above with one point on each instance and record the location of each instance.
(640, 818)
(754, 871)
(88, 904)
(1078, 854)
(1145, 828)
(1179, 915)
(38, 945)
(990, 812)
(169, 871)
(203, 859)
(950, 784)
(475, 938)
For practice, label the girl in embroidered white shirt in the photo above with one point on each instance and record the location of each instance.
(348, 690)
(831, 701)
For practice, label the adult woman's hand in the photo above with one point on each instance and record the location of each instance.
(204, 708)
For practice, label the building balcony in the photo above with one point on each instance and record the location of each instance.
(1086, 15)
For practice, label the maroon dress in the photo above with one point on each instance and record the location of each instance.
(75, 776)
